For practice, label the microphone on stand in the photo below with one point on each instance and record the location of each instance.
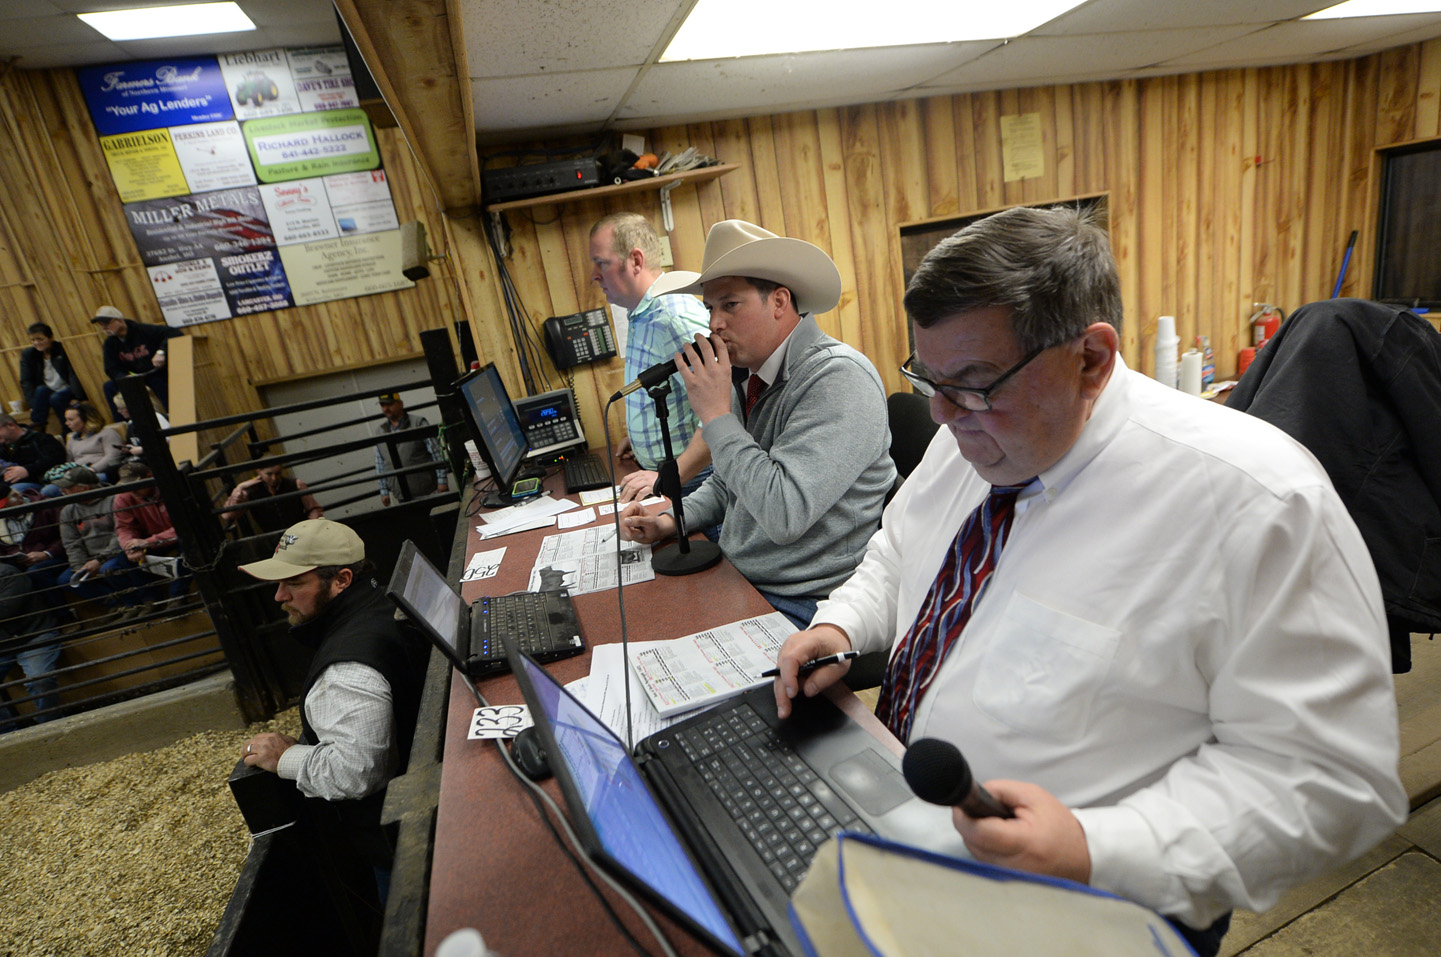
(938, 773)
(648, 379)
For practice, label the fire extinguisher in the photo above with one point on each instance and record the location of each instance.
(1265, 322)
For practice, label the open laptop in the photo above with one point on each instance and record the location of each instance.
(657, 822)
(543, 623)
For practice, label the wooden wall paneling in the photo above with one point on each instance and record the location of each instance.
(1162, 158)
(738, 189)
(708, 195)
(1091, 155)
(832, 162)
(1123, 151)
(1064, 151)
(1363, 190)
(870, 242)
(1013, 192)
(1326, 229)
(938, 124)
(1193, 249)
(1250, 129)
(1264, 227)
(1227, 217)
(802, 181)
(1043, 188)
(968, 190)
(1153, 251)
(901, 152)
(1209, 201)
(770, 213)
(986, 125)
(1290, 181)
(1396, 100)
(1428, 91)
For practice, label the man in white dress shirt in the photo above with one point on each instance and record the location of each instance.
(1172, 655)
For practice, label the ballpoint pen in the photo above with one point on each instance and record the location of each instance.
(815, 663)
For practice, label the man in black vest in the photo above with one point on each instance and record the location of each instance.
(360, 695)
(271, 516)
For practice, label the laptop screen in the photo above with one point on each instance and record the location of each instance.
(623, 815)
(430, 596)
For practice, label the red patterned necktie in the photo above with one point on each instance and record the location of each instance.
(946, 609)
(754, 388)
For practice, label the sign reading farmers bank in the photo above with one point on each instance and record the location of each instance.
(126, 97)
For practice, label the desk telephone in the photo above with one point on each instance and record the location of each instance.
(551, 423)
(579, 338)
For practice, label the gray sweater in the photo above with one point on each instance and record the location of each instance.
(800, 486)
(88, 531)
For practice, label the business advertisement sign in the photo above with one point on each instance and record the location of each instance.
(125, 97)
(143, 165)
(299, 211)
(222, 223)
(361, 202)
(189, 292)
(254, 282)
(311, 144)
(322, 78)
(349, 266)
(259, 83)
(213, 156)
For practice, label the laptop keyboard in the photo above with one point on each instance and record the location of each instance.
(525, 617)
(584, 472)
(781, 806)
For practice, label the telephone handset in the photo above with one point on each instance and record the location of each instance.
(579, 338)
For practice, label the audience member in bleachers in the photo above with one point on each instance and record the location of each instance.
(90, 443)
(131, 444)
(272, 516)
(143, 525)
(412, 452)
(98, 567)
(26, 454)
(46, 377)
(31, 541)
(29, 635)
(133, 348)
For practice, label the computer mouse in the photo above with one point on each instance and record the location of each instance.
(529, 754)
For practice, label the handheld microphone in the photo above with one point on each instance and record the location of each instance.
(648, 379)
(938, 773)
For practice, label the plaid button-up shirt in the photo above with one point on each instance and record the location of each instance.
(659, 326)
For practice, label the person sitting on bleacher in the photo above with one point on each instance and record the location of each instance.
(269, 482)
(90, 443)
(29, 636)
(98, 568)
(26, 454)
(143, 525)
(30, 541)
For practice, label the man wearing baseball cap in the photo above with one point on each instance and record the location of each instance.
(798, 435)
(133, 348)
(410, 451)
(359, 697)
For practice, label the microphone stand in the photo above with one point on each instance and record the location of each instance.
(687, 557)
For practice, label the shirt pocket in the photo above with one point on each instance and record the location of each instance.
(1042, 670)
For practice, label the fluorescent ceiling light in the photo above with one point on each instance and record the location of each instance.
(148, 23)
(732, 28)
(1375, 8)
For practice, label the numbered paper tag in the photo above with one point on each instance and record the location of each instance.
(499, 721)
(483, 565)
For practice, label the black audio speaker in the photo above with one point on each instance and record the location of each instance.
(468, 356)
(440, 359)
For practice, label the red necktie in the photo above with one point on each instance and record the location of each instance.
(946, 609)
(754, 388)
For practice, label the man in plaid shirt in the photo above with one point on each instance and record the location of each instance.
(625, 255)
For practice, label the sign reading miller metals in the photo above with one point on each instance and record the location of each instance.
(303, 145)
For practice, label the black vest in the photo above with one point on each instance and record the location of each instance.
(275, 516)
(359, 625)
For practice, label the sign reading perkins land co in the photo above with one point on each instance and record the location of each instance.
(311, 144)
(126, 97)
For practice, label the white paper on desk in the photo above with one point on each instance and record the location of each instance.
(491, 531)
(710, 666)
(584, 561)
(604, 694)
(483, 565)
(527, 511)
(575, 519)
(499, 721)
(596, 496)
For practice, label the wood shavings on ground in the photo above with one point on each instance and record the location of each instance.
(138, 855)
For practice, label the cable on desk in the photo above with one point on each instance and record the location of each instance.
(573, 851)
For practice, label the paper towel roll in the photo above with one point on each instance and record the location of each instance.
(1191, 372)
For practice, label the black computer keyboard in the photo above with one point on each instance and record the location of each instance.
(542, 624)
(781, 806)
(584, 472)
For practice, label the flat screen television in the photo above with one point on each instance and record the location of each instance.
(496, 430)
(1408, 245)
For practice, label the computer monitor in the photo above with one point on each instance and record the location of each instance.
(495, 429)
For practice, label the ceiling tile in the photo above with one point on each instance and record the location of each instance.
(517, 37)
(516, 103)
(16, 9)
(790, 81)
(1120, 16)
(70, 54)
(279, 13)
(46, 31)
(1018, 63)
(1288, 42)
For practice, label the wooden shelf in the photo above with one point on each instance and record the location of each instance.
(702, 175)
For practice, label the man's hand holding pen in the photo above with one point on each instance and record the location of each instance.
(818, 645)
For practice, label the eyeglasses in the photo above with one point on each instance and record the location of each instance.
(972, 400)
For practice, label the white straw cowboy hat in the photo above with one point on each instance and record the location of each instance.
(737, 248)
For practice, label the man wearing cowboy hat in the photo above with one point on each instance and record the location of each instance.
(798, 435)
(625, 263)
(358, 706)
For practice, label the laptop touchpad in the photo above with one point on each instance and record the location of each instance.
(872, 783)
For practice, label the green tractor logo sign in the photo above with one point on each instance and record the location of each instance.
(256, 86)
